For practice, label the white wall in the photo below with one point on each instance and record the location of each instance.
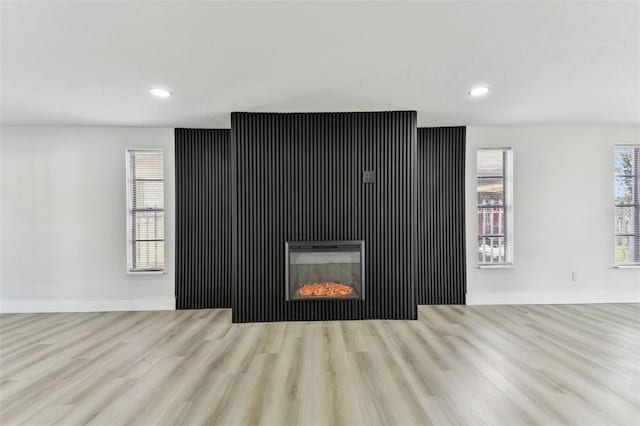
(567, 173)
(63, 219)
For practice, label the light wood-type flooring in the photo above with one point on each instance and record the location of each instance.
(464, 365)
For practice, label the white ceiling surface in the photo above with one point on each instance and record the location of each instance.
(92, 63)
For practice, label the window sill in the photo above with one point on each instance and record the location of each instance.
(496, 266)
(146, 272)
(626, 267)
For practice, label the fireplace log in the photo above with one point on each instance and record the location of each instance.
(325, 289)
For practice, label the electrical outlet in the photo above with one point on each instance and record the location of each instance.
(368, 176)
(574, 276)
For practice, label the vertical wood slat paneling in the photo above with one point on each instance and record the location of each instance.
(298, 177)
(203, 218)
(441, 259)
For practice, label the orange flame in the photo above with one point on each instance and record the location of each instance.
(327, 289)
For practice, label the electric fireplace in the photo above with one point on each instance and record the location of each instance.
(324, 270)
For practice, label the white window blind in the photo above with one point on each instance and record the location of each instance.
(495, 209)
(145, 221)
(627, 204)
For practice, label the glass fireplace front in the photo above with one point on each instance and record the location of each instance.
(324, 270)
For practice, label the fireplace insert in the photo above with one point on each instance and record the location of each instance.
(324, 270)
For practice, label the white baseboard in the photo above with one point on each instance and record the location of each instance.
(39, 305)
(552, 297)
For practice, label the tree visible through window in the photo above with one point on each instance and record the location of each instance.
(145, 194)
(627, 205)
(495, 215)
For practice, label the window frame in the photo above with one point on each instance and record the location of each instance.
(130, 212)
(635, 178)
(507, 206)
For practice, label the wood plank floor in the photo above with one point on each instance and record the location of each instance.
(503, 365)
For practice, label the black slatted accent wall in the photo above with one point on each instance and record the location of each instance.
(299, 177)
(203, 218)
(441, 266)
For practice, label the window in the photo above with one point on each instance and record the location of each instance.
(627, 205)
(145, 205)
(495, 210)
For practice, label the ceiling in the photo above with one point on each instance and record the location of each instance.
(92, 63)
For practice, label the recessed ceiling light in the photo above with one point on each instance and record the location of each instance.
(160, 93)
(479, 91)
